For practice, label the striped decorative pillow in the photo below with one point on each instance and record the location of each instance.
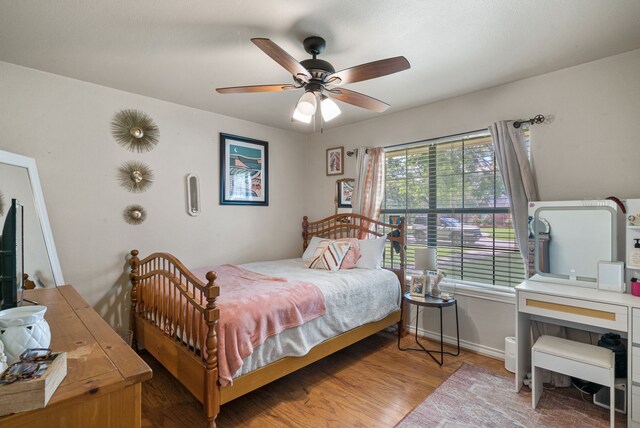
(353, 255)
(328, 255)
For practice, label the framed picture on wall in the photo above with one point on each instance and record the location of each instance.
(244, 170)
(344, 192)
(335, 161)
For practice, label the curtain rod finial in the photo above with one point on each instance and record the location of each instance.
(536, 119)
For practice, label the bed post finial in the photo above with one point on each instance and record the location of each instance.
(402, 227)
(134, 262)
(211, 316)
(305, 232)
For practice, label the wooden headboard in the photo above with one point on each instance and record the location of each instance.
(361, 227)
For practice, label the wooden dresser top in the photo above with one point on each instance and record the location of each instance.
(98, 360)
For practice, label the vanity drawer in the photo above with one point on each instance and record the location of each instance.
(613, 317)
(636, 325)
(635, 364)
(635, 403)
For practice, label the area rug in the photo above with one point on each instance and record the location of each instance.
(474, 397)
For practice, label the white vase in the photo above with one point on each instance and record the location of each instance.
(22, 328)
(435, 289)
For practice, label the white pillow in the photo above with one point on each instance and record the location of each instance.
(307, 256)
(371, 251)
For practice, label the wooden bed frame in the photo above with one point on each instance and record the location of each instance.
(167, 318)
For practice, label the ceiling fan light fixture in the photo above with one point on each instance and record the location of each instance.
(329, 108)
(305, 118)
(316, 76)
(307, 104)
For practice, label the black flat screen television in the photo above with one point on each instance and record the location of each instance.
(12, 257)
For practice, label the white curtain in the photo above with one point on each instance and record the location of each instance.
(513, 162)
(368, 188)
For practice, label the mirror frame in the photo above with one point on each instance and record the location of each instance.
(41, 210)
(605, 205)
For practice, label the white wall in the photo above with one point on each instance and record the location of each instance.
(484, 322)
(590, 150)
(65, 125)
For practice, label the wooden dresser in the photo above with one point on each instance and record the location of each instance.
(104, 375)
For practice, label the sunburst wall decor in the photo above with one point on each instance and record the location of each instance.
(134, 214)
(135, 176)
(135, 130)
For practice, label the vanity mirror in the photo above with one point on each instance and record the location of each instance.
(571, 237)
(19, 179)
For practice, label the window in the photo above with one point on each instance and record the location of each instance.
(453, 198)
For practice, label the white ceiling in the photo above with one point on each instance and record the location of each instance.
(180, 51)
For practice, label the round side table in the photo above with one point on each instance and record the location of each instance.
(431, 302)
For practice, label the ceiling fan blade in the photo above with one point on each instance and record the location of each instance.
(280, 56)
(358, 99)
(370, 70)
(256, 88)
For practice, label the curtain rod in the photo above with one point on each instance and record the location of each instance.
(355, 152)
(517, 124)
(536, 119)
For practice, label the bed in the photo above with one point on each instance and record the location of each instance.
(175, 313)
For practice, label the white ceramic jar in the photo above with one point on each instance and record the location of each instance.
(22, 328)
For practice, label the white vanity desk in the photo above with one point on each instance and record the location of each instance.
(586, 309)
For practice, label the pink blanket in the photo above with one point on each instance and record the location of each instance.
(254, 307)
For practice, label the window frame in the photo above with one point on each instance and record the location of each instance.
(433, 211)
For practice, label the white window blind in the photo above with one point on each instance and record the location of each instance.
(453, 198)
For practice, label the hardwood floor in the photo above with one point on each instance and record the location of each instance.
(369, 384)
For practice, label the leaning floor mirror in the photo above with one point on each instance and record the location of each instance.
(19, 180)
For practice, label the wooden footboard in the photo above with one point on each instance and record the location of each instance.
(169, 306)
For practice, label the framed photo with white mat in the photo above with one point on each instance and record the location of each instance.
(419, 285)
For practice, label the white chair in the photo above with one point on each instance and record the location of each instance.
(581, 360)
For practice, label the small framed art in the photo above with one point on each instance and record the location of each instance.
(244, 170)
(419, 285)
(345, 191)
(394, 219)
(335, 161)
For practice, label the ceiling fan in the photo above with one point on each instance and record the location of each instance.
(320, 81)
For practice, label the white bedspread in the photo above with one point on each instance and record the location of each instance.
(353, 297)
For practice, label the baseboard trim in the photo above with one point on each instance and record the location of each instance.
(475, 347)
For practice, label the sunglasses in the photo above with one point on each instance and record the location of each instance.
(33, 363)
